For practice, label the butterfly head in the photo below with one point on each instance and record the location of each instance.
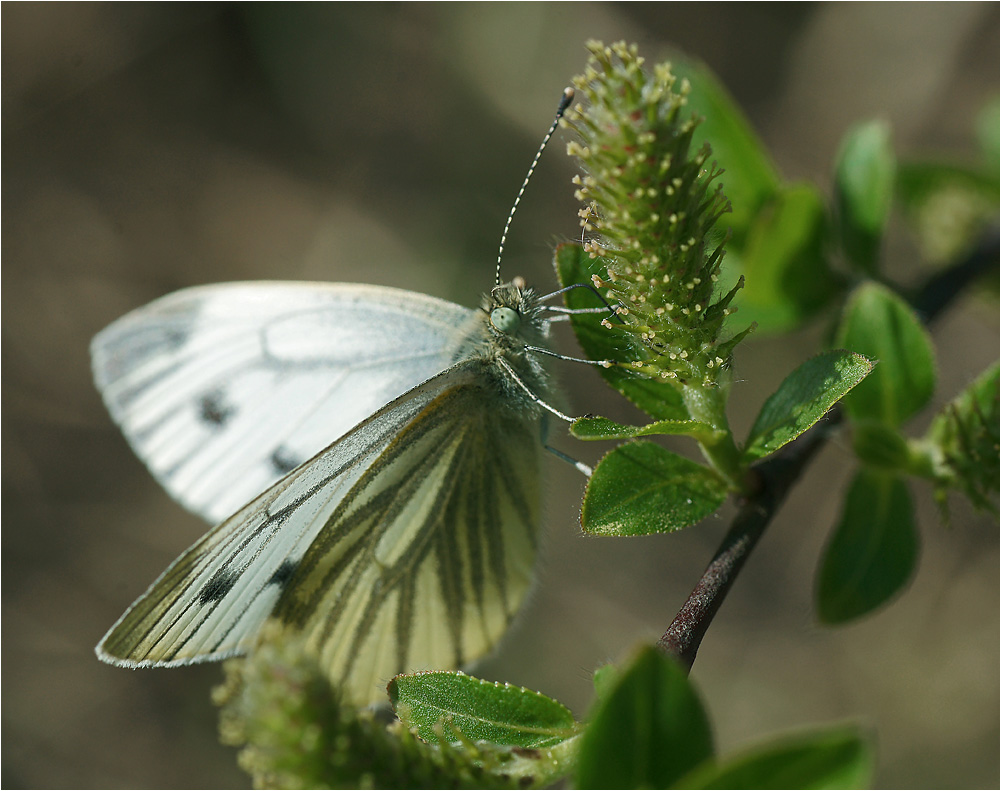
(514, 313)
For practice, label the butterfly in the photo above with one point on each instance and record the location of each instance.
(371, 457)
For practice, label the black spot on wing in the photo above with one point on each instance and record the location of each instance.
(174, 337)
(283, 574)
(284, 461)
(214, 409)
(217, 587)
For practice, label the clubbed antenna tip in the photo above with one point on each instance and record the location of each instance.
(568, 94)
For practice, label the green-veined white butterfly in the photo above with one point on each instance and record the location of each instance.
(408, 543)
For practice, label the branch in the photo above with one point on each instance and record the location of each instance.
(777, 474)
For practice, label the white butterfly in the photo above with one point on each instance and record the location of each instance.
(407, 543)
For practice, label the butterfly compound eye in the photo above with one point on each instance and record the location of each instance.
(505, 320)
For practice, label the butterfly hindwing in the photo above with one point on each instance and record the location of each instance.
(424, 564)
(221, 390)
(407, 544)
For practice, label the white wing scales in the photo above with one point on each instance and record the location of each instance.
(407, 544)
(222, 390)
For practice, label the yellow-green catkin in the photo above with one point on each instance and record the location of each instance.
(963, 443)
(651, 203)
(293, 731)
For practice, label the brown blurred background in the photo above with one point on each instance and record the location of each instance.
(151, 147)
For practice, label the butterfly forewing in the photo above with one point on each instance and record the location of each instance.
(407, 544)
(222, 390)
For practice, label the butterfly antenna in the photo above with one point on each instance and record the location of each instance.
(567, 97)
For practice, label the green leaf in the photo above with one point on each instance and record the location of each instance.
(832, 757)
(592, 428)
(918, 182)
(750, 176)
(880, 445)
(605, 679)
(803, 399)
(947, 206)
(641, 488)
(880, 325)
(873, 550)
(648, 732)
(785, 263)
(440, 705)
(863, 177)
(987, 125)
(660, 401)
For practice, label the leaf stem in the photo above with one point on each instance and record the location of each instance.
(708, 405)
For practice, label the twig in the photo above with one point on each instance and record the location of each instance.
(777, 474)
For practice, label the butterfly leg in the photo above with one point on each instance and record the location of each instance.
(544, 436)
(585, 469)
(517, 380)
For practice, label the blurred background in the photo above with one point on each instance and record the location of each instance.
(149, 147)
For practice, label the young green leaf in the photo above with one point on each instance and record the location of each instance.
(641, 488)
(574, 267)
(648, 731)
(832, 757)
(881, 446)
(880, 325)
(443, 705)
(803, 398)
(592, 428)
(784, 261)
(917, 182)
(864, 176)
(948, 206)
(987, 126)
(604, 680)
(750, 178)
(873, 550)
